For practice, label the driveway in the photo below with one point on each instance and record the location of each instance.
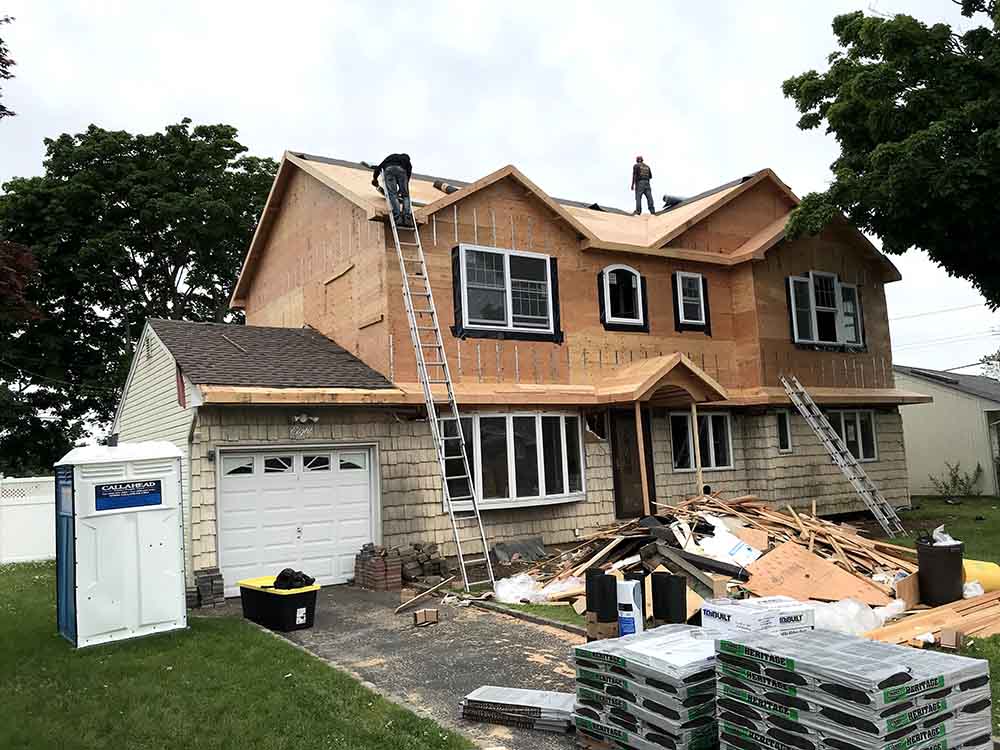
(431, 669)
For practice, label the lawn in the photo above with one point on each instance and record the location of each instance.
(221, 684)
(556, 612)
(981, 538)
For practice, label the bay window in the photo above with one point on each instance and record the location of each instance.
(519, 459)
(825, 311)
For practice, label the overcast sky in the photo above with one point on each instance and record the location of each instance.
(569, 92)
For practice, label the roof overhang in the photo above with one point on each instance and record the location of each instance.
(774, 396)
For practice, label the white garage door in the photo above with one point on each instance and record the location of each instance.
(310, 510)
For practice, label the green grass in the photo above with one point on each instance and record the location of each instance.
(221, 684)
(981, 538)
(989, 648)
(550, 612)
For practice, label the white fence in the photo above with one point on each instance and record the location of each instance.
(27, 519)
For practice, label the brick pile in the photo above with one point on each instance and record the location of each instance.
(378, 569)
(210, 586)
(421, 560)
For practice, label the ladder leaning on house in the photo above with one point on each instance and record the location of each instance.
(446, 430)
(884, 513)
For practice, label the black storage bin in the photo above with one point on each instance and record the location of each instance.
(278, 609)
(940, 573)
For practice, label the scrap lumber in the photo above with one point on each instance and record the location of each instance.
(970, 616)
(791, 570)
(422, 594)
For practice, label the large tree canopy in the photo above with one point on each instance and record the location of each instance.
(122, 228)
(916, 111)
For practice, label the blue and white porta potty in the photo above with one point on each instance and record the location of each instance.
(119, 542)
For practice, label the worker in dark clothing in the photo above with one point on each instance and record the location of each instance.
(397, 170)
(641, 175)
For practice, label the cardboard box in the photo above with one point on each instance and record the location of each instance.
(778, 615)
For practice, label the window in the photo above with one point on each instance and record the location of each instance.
(278, 464)
(622, 290)
(504, 289)
(784, 431)
(355, 460)
(690, 298)
(524, 457)
(237, 465)
(316, 463)
(454, 466)
(714, 441)
(857, 430)
(825, 311)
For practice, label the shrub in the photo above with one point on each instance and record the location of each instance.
(957, 483)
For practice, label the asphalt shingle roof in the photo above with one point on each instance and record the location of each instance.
(239, 355)
(974, 385)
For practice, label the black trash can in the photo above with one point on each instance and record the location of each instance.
(939, 571)
(278, 609)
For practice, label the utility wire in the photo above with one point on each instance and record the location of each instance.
(935, 312)
(94, 388)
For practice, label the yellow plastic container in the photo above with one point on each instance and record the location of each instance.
(266, 584)
(987, 573)
(277, 609)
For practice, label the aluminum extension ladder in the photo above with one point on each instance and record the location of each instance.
(879, 506)
(432, 369)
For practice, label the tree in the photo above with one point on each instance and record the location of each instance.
(6, 63)
(17, 267)
(122, 228)
(916, 111)
(991, 365)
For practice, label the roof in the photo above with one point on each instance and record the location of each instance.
(973, 385)
(260, 356)
(106, 454)
(599, 228)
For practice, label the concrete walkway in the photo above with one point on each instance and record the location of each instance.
(431, 669)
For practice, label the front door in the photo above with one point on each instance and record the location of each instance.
(626, 469)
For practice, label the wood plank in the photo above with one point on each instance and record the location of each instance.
(756, 538)
(791, 570)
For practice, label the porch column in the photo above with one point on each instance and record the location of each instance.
(697, 448)
(641, 442)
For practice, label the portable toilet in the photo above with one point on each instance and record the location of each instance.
(119, 542)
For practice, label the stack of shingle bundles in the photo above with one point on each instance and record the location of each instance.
(527, 709)
(826, 691)
(648, 691)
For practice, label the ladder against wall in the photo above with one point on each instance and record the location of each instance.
(884, 513)
(460, 495)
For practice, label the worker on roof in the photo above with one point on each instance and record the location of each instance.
(397, 169)
(641, 175)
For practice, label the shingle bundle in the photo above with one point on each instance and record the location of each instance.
(649, 691)
(527, 709)
(826, 691)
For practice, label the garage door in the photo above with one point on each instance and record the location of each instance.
(310, 510)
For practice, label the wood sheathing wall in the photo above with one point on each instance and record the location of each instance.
(837, 252)
(323, 265)
(150, 411)
(505, 215)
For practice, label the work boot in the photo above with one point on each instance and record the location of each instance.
(397, 220)
(636, 213)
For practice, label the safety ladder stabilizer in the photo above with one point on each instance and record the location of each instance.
(432, 369)
(884, 513)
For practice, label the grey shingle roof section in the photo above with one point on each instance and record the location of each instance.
(239, 355)
(974, 385)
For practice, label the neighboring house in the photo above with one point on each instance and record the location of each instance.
(567, 324)
(962, 425)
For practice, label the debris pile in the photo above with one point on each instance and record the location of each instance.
(650, 690)
(526, 709)
(828, 690)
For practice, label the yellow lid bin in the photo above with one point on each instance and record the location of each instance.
(277, 609)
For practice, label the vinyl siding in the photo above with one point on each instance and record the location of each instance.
(953, 428)
(149, 411)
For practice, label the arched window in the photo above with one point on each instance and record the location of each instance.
(623, 296)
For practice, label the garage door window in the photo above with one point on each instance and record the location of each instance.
(351, 461)
(278, 464)
(236, 465)
(316, 463)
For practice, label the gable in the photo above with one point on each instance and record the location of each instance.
(726, 229)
